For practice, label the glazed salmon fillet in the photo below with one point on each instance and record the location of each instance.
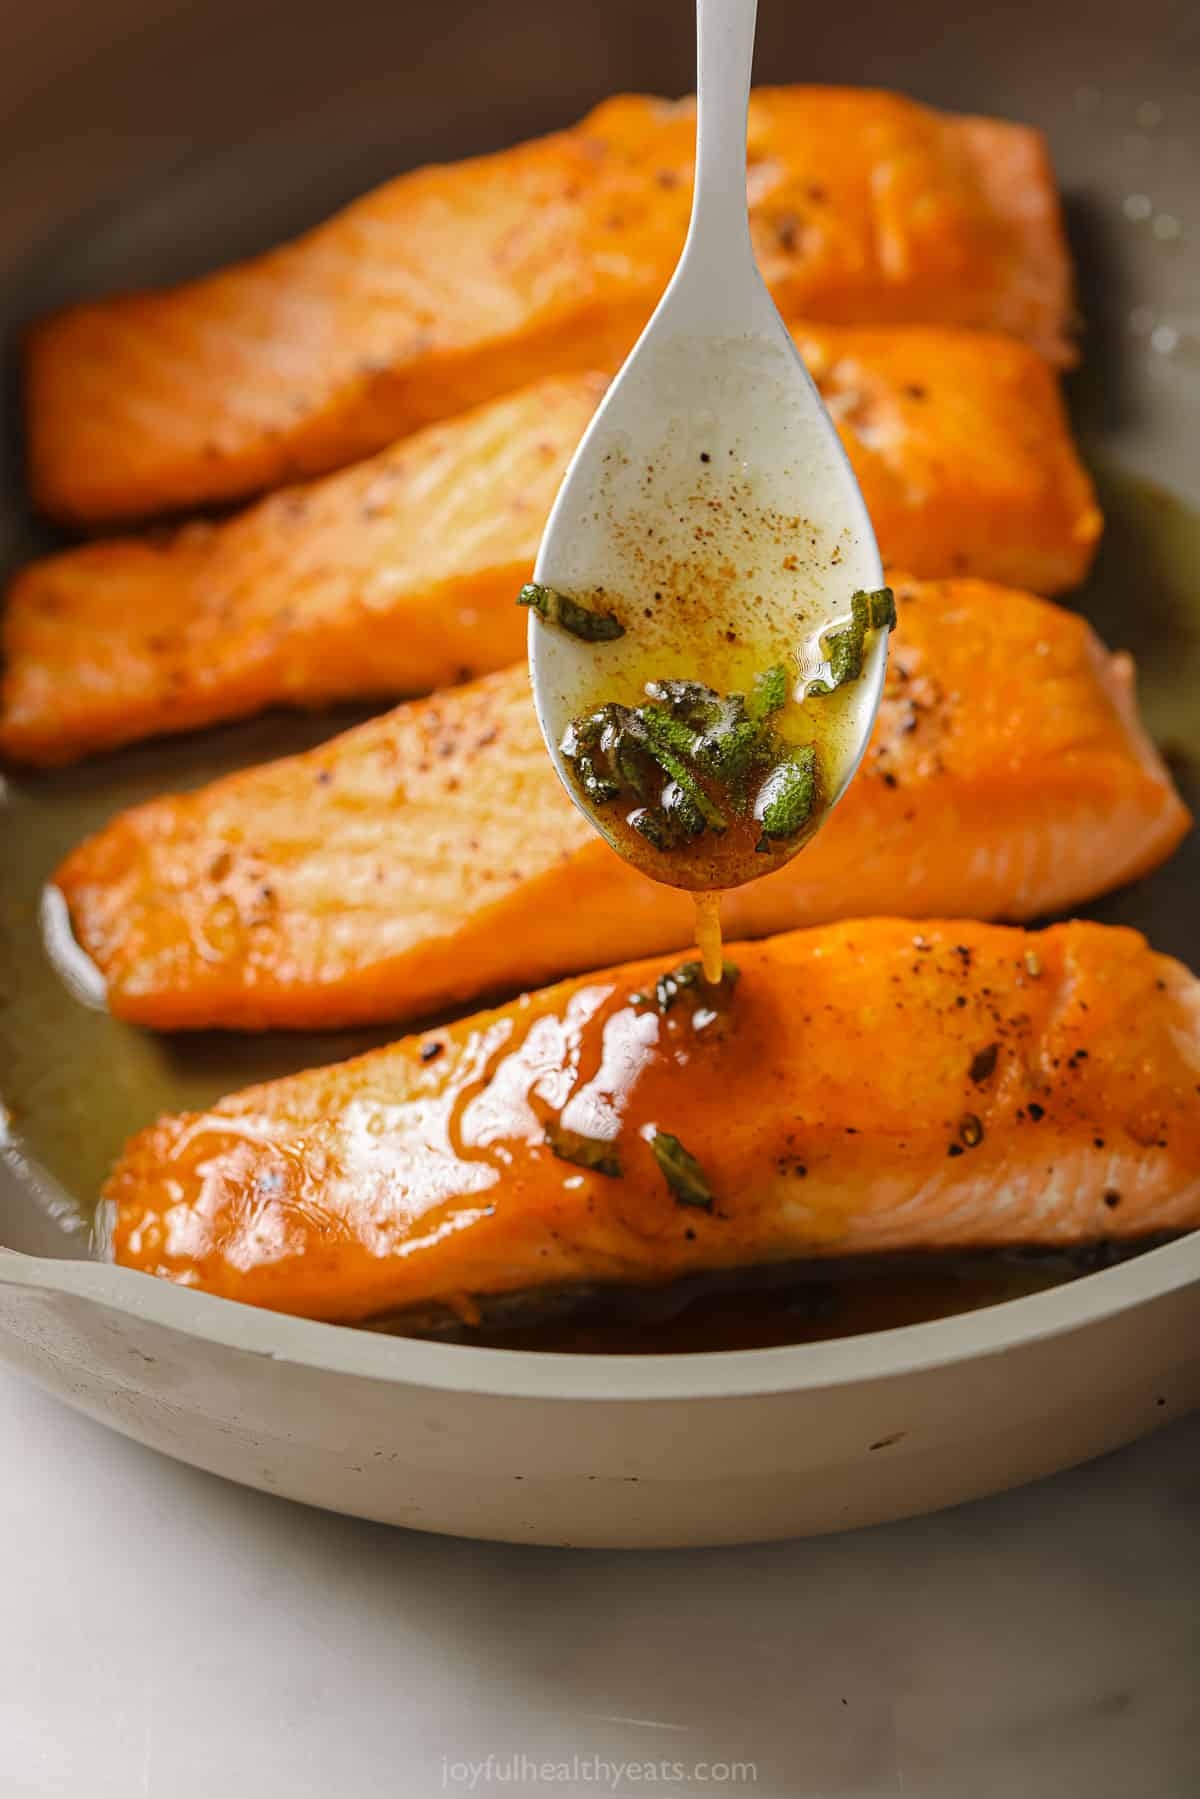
(455, 284)
(399, 575)
(431, 856)
(863, 1087)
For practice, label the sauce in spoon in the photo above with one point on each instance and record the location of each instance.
(720, 770)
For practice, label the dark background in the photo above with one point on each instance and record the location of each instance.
(147, 95)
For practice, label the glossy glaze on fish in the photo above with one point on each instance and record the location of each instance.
(865, 1087)
(454, 284)
(399, 575)
(430, 856)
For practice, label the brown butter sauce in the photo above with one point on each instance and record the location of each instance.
(708, 935)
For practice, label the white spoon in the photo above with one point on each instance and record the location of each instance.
(710, 509)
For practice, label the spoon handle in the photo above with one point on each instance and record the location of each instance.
(720, 223)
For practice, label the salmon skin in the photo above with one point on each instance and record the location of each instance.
(399, 575)
(865, 1087)
(454, 284)
(431, 856)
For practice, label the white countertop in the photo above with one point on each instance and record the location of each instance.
(169, 1636)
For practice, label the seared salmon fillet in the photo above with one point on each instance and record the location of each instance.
(430, 856)
(867, 1086)
(400, 574)
(454, 284)
(396, 576)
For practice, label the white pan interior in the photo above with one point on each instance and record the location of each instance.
(144, 144)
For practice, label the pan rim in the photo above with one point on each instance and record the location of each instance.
(807, 1368)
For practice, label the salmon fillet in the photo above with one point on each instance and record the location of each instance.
(454, 284)
(858, 1088)
(431, 856)
(399, 575)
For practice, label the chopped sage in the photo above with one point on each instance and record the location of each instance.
(844, 648)
(652, 823)
(731, 749)
(691, 701)
(883, 609)
(683, 1173)
(598, 788)
(667, 731)
(660, 754)
(692, 760)
(785, 801)
(558, 609)
(770, 693)
(586, 1152)
(684, 819)
(662, 731)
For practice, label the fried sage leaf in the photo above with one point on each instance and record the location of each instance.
(883, 609)
(874, 611)
(559, 609)
(785, 800)
(684, 1175)
(693, 760)
(770, 693)
(689, 802)
(595, 1153)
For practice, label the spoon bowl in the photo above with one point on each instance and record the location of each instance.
(710, 509)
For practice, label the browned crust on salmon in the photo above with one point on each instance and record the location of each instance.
(454, 284)
(870, 1086)
(431, 856)
(399, 574)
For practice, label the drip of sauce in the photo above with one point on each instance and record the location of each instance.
(708, 935)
